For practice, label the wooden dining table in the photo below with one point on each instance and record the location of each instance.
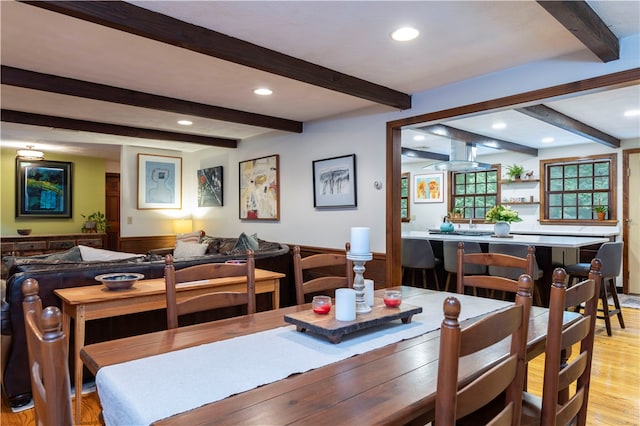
(393, 384)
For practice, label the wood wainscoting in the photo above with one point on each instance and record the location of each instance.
(141, 245)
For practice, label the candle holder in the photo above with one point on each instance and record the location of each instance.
(358, 281)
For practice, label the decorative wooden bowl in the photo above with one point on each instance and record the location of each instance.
(119, 281)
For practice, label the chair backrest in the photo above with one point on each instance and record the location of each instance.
(48, 350)
(492, 260)
(558, 407)
(418, 254)
(213, 299)
(611, 256)
(518, 250)
(450, 252)
(456, 397)
(321, 264)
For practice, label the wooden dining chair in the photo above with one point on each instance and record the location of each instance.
(493, 282)
(320, 271)
(499, 388)
(48, 352)
(213, 299)
(565, 389)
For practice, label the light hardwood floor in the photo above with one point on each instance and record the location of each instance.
(614, 397)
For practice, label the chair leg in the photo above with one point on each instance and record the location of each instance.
(435, 276)
(616, 302)
(424, 278)
(448, 281)
(605, 308)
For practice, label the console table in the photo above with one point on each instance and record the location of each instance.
(29, 245)
(95, 302)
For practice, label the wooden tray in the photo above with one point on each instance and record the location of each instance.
(327, 325)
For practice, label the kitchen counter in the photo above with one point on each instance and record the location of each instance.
(563, 241)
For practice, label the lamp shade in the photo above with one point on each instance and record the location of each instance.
(182, 226)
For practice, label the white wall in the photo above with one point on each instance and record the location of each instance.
(362, 134)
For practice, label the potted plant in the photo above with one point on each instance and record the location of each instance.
(502, 216)
(515, 171)
(456, 213)
(95, 222)
(601, 211)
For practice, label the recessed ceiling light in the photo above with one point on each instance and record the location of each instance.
(547, 140)
(263, 91)
(499, 125)
(405, 34)
(632, 113)
(418, 138)
(185, 122)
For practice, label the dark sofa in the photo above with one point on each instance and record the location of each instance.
(59, 274)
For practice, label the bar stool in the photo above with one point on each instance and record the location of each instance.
(418, 254)
(450, 252)
(610, 254)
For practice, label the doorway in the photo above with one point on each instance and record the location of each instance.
(631, 221)
(394, 147)
(112, 210)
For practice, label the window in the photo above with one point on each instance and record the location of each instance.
(473, 193)
(404, 197)
(574, 187)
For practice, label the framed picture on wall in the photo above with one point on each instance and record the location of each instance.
(159, 182)
(210, 187)
(259, 183)
(43, 188)
(334, 182)
(428, 188)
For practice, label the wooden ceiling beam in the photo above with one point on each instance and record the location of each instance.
(474, 138)
(11, 116)
(145, 23)
(84, 89)
(417, 153)
(555, 118)
(586, 25)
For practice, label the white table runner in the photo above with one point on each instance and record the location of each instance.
(142, 391)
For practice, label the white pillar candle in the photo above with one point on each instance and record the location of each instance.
(345, 304)
(368, 292)
(360, 240)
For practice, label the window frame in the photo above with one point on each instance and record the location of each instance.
(451, 202)
(591, 159)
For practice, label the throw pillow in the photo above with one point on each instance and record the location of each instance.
(183, 249)
(226, 245)
(245, 243)
(213, 244)
(90, 254)
(191, 237)
(71, 255)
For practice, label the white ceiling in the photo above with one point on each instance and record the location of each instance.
(459, 40)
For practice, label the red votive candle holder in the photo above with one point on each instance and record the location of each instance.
(321, 305)
(392, 298)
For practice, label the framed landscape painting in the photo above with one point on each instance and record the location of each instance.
(334, 182)
(159, 182)
(43, 188)
(210, 187)
(428, 188)
(260, 188)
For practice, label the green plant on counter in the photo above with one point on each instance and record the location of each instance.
(600, 209)
(514, 171)
(95, 222)
(501, 213)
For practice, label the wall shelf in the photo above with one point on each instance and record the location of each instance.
(519, 181)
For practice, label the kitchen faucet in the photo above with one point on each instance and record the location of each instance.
(471, 224)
